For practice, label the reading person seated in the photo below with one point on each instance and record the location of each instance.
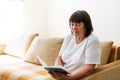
(80, 51)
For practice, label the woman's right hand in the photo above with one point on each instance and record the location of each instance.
(60, 76)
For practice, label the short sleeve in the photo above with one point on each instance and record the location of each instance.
(93, 52)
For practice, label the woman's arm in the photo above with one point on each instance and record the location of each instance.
(59, 61)
(81, 72)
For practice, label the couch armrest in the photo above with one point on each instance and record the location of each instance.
(2, 46)
(115, 53)
(109, 71)
(118, 53)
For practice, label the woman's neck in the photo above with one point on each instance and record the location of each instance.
(79, 39)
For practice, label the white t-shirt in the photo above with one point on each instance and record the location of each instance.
(77, 55)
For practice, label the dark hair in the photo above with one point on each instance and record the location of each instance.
(82, 16)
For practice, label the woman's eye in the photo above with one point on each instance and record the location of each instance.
(77, 24)
(72, 24)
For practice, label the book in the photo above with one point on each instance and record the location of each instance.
(59, 69)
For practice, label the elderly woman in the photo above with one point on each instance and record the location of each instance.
(80, 51)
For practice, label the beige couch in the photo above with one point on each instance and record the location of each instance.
(18, 59)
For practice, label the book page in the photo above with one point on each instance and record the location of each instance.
(41, 61)
(59, 69)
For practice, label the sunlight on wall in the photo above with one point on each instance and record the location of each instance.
(11, 18)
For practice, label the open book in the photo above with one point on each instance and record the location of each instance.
(59, 69)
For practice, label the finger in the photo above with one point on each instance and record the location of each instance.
(50, 72)
(53, 74)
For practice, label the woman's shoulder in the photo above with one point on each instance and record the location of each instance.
(92, 38)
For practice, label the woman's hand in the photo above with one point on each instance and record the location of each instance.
(60, 76)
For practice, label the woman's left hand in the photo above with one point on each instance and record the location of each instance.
(60, 76)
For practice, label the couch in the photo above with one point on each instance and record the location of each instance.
(18, 59)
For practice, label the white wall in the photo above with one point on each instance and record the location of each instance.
(50, 17)
(105, 15)
(36, 16)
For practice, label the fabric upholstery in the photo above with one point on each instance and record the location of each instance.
(113, 53)
(104, 72)
(23, 71)
(118, 53)
(106, 47)
(19, 45)
(46, 48)
(32, 36)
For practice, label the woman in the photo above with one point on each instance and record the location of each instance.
(80, 51)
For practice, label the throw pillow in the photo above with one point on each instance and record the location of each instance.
(19, 45)
(105, 51)
(46, 48)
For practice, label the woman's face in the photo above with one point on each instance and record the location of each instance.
(77, 29)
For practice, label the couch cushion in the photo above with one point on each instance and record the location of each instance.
(46, 48)
(19, 45)
(23, 71)
(105, 51)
